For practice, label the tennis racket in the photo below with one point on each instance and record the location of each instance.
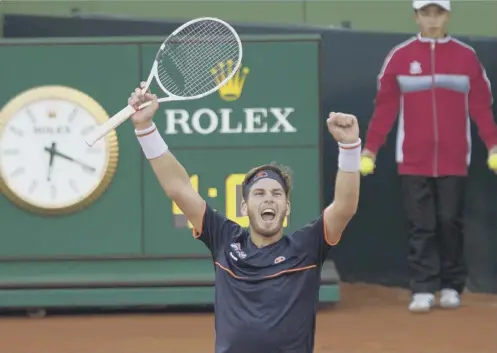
(194, 61)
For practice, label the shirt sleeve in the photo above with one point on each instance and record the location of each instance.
(387, 105)
(216, 230)
(312, 238)
(480, 102)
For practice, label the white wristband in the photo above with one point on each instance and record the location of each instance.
(349, 156)
(152, 143)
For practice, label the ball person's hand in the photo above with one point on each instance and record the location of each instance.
(367, 153)
(368, 160)
(343, 127)
(492, 159)
(143, 118)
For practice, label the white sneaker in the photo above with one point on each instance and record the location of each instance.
(449, 299)
(422, 302)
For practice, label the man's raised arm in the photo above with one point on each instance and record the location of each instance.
(345, 130)
(171, 174)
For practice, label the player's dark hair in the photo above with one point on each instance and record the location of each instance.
(283, 171)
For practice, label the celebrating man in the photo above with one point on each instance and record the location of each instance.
(267, 284)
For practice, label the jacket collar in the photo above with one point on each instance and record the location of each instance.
(445, 39)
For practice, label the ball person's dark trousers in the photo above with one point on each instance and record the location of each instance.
(434, 215)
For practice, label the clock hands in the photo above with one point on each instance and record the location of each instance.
(53, 151)
(50, 162)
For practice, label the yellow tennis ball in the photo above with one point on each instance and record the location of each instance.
(492, 162)
(367, 165)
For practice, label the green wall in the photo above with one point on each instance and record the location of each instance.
(132, 236)
(134, 219)
(75, 234)
(469, 17)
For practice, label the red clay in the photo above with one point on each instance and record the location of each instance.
(369, 319)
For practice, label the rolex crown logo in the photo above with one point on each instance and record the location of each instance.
(232, 90)
(52, 113)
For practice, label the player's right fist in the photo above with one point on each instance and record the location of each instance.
(142, 119)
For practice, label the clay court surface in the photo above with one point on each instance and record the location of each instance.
(369, 319)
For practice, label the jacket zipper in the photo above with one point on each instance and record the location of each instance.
(434, 105)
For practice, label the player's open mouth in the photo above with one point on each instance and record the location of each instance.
(268, 214)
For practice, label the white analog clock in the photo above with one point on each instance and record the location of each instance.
(45, 165)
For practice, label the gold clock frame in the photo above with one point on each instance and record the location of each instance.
(97, 111)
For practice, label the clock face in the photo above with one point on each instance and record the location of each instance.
(44, 160)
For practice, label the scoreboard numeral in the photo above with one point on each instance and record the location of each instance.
(234, 196)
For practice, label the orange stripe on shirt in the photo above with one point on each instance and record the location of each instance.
(326, 238)
(299, 269)
(196, 233)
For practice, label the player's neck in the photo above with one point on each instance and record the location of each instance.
(437, 35)
(262, 241)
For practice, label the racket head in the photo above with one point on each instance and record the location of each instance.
(197, 59)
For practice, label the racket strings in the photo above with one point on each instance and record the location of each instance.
(198, 58)
(211, 41)
(205, 29)
(190, 76)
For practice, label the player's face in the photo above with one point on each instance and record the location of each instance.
(432, 21)
(266, 207)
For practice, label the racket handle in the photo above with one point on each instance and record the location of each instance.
(109, 125)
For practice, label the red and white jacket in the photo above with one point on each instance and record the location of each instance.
(433, 87)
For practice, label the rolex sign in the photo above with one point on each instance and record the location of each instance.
(271, 100)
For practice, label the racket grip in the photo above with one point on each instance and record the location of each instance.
(113, 122)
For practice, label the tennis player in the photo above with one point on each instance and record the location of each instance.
(267, 284)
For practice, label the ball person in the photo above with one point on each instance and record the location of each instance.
(433, 84)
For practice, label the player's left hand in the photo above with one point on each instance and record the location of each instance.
(343, 127)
